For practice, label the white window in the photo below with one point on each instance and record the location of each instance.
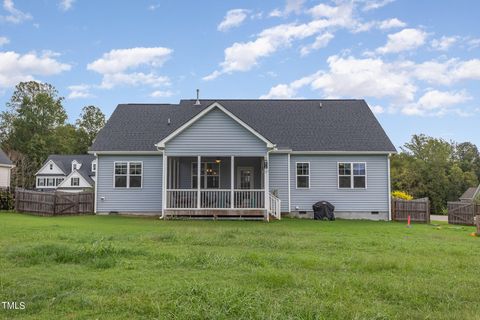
(74, 182)
(303, 175)
(51, 166)
(94, 166)
(135, 175)
(74, 166)
(41, 182)
(352, 175)
(58, 181)
(209, 175)
(50, 182)
(128, 174)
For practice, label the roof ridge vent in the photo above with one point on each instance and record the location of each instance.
(197, 103)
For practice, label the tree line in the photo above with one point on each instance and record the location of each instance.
(35, 125)
(435, 168)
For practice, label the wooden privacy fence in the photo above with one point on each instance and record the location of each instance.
(462, 212)
(54, 203)
(418, 210)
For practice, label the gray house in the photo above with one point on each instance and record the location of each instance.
(67, 173)
(243, 158)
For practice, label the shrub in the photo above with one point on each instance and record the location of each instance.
(402, 195)
(6, 200)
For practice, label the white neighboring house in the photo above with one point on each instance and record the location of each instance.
(67, 173)
(5, 170)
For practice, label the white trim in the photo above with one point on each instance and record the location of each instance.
(232, 182)
(352, 175)
(10, 166)
(94, 162)
(67, 178)
(128, 174)
(388, 188)
(252, 182)
(266, 187)
(342, 152)
(199, 175)
(302, 175)
(45, 165)
(97, 179)
(161, 144)
(164, 183)
(126, 152)
(289, 184)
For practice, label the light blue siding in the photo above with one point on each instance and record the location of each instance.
(278, 173)
(323, 184)
(216, 134)
(147, 199)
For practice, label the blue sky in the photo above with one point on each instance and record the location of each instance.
(415, 62)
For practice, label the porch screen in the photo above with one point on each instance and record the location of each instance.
(209, 175)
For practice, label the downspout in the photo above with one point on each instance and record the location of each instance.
(96, 185)
(389, 189)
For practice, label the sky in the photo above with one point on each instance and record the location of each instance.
(416, 63)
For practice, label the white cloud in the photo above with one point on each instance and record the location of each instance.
(66, 5)
(113, 66)
(391, 23)
(291, 6)
(321, 41)
(447, 72)
(397, 82)
(375, 4)
(377, 109)
(15, 16)
(233, 18)
(437, 103)
(161, 94)
(444, 43)
(133, 79)
(407, 39)
(4, 41)
(242, 56)
(79, 91)
(15, 67)
(119, 60)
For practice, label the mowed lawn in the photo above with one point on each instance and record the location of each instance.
(107, 267)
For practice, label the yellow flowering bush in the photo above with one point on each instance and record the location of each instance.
(402, 195)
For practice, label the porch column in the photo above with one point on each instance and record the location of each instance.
(232, 181)
(266, 186)
(199, 163)
(164, 183)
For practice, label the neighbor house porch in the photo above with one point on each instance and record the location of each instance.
(223, 186)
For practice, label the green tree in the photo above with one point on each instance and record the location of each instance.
(34, 113)
(90, 122)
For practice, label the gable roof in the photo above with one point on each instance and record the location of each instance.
(470, 193)
(4, 158)
(81, 173)
(64, 162)
(299, 125)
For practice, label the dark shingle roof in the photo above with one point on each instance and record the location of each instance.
(301, 125)
(469, 194)
(4, 158)
(64, 162)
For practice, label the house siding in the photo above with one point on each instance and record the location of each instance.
(4, 177)
(349, 203)
(145, 200)
(215, 134)
(278, 175)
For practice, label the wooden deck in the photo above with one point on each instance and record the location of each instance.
(215, 214)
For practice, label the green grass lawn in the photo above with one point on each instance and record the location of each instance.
(132, 268)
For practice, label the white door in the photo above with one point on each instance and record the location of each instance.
(245, 178)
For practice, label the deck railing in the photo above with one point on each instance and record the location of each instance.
(275, 206)
(215, 199)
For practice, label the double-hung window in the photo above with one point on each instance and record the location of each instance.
(352, 175)
(128, 174)
(74, 182)
(209, 175)
(41, 182)
(303, 175)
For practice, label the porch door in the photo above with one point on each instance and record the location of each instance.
(245, 178)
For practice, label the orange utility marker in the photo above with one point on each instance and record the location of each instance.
(408, 225)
